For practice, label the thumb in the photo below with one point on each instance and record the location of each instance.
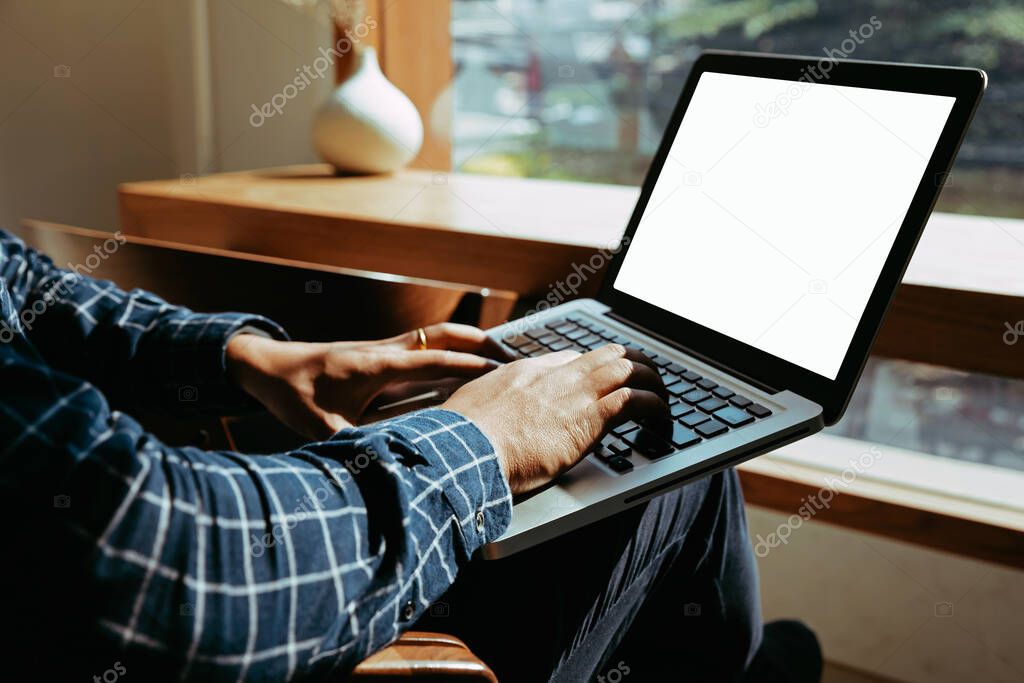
(435, 364)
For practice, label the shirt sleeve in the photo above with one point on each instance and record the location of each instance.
(228, 567)
(141, 351)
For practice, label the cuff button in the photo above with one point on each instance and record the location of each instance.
(408, 611)
(480, 521)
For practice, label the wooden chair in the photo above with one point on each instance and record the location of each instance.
(314, 303)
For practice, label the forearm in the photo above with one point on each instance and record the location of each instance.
(143, 352)
(334, 548)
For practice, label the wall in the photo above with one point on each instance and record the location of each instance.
(97, 93)
(893, 609)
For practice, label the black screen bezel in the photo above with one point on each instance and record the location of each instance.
(966, 85)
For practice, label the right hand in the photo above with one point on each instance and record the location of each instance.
(543, 414)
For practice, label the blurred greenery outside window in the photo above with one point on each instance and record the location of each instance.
(582, 89)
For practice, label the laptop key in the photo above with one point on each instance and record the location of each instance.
(620, 465)
(758, 410)
(706, 384)
(660, 361)
(610, 447)
(561, 327)
(518, 341)
(617, 446)
(691, 376)
(683, 437)
(625, 428)
(733, 416)
(722, 392)
(530, 348)
(590, 341)
(576, 333)
(694, 418)
(648, 443)
(740, 401)
(676, 368)
(712, 404)
(695, 396)
(548, 339)
(680, 409)
(679, 388)
(711, 428)
(560, 345)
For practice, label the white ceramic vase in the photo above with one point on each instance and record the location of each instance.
(367, 125)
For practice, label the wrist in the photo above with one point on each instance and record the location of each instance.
(247, 357)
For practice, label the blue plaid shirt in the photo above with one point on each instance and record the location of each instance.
(204, 565)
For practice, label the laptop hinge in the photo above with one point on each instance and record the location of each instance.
(689, 351)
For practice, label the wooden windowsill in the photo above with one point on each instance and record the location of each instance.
(956, 506)
(959, 252)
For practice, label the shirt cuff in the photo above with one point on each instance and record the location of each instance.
(197, 363)
(468, 472)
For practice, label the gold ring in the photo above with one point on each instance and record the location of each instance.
(421, 337)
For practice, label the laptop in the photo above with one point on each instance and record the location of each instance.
(773, 227)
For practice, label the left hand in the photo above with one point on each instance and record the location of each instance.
(320, 388)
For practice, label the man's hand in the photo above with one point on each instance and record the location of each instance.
(318, 389)
(542, 414)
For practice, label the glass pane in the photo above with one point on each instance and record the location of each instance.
(936, 410)
(581, 89)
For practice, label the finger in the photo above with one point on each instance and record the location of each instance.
(433, 364)
(457, 337)
(624, 372)
(611, 352)
(628, 403)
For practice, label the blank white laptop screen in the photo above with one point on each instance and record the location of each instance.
(777, 207)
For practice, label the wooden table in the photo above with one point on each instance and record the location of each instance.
(473, 230)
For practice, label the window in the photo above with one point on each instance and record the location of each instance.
(581, 89)
(936, 410)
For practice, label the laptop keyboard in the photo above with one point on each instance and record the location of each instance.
(700, 408)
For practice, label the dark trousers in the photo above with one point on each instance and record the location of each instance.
(666, 591)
